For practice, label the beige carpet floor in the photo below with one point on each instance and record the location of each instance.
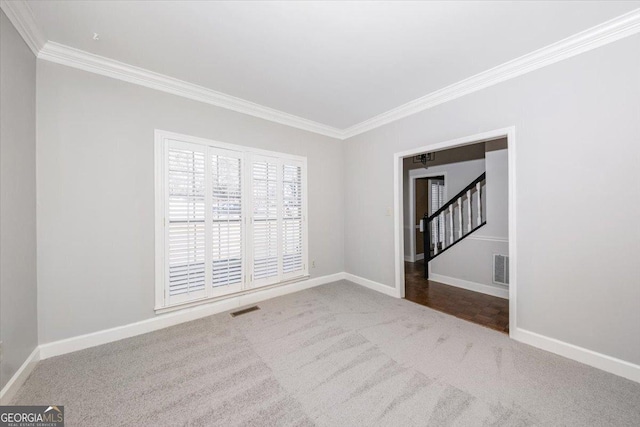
(335, 355)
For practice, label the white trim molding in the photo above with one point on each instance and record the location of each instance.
(600, 361)
(20, 15)
(493, 290)
(597, 360)
(610, 31)
(13, 385)
(488, 238)
(376, 286)
(592, 358)
(188, 314)
(173, 318)
(69, 56)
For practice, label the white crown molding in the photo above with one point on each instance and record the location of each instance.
(607, 32)
(86, 61)
(20, 15)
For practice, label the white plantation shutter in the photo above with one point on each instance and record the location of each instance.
(226, 220)
(264, 180)
(292, 219)
(186, 222)
(437, 200)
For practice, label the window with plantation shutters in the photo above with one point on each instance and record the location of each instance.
(437, 200)
(186, 222)
(229, 219)
(266, 224)
(226, 221)
(292, 218)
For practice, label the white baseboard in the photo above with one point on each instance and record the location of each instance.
(166, 320)
(495, 291)
(588, 357)
(409, 258)
(606, 363)
(21, 375)
(601, 361)
(597, 360)
(376, 286)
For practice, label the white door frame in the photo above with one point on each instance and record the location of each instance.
(413, 175)
(510, 134)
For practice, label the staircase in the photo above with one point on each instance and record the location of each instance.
(454, 221)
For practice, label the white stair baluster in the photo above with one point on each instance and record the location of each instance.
(434, 235)
(478, 187)
(459, 217)
(443, 231)
(451, 224)
(469, 226)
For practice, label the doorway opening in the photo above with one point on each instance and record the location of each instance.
(456, 226)
(427, 193)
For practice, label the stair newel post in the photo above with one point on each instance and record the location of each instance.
(459, 217)
(478, 189)
(469, 225)
(451, 224)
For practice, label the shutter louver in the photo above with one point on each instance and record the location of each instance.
(186, 223)
(265, 220)
(292, 217)
(226, 220)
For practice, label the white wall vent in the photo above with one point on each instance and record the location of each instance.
(501, 269)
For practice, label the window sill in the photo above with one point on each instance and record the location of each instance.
(204, 301)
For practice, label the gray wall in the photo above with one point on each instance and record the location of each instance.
(497, 164)
(96, 193)
(18, 293)
(577, 132)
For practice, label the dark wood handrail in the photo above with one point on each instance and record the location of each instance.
(456, 197)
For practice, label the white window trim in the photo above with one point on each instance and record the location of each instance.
(160, 145)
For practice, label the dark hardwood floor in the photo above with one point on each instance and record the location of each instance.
(485, 310)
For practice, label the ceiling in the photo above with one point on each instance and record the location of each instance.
(336, 63)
